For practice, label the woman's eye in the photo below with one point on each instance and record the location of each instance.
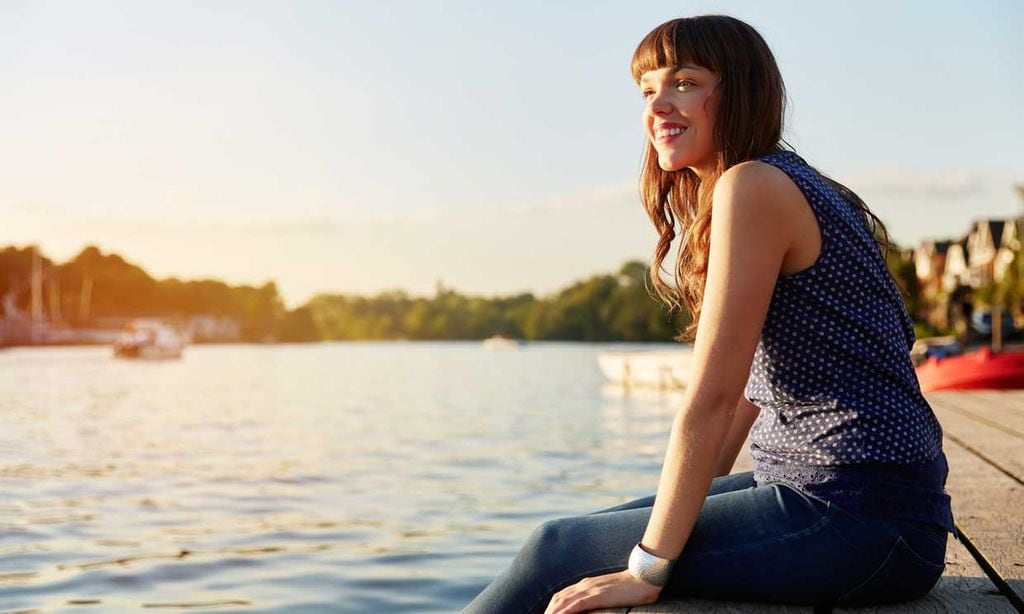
(684, 83)
(646, 94)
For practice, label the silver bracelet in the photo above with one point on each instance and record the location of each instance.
(651, 569)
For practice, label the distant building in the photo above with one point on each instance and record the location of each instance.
(1007, 247)
(985, 244)
(979, 257)
(930, 264)
(957, 271)
(948, 269)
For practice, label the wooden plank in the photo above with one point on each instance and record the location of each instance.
(1011, 400)
(702, 606)
(993, 408)
(987, 508)
(1000, 448)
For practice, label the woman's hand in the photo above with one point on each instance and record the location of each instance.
(619, 589)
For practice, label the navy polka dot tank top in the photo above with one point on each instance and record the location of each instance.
(842, 415)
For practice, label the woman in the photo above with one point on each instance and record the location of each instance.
(800, 331)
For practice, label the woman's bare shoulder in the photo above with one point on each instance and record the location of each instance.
(762, 185)
(755, 176)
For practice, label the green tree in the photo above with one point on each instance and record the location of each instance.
(904, 272)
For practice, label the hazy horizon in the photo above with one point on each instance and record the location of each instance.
(358, 148)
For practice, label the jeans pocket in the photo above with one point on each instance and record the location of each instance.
(934, 532)
(903, 575)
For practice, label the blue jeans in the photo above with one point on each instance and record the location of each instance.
(761, 542)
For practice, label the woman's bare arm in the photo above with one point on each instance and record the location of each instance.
(752, 229)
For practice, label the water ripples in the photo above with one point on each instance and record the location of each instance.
(352, 477)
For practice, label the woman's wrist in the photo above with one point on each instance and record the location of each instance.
(652, 569)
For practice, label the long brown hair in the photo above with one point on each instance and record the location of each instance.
(749, 124)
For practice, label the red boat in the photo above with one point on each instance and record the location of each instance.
(981, 368)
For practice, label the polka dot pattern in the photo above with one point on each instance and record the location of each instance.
(842, 415)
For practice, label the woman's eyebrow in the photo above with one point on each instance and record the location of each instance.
(645, 78)
(675, 69)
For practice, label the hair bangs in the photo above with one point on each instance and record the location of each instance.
(673, 43)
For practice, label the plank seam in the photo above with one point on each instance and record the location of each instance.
(982, 456)
(993, 575)
(986, 421)
(1000, 399)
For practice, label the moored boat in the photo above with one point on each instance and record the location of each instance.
(661, 369)
(501, 342)
(149, 339)
(979, 369)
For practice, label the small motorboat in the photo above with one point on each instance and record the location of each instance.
(149, 339)
(501, 342)
(983, 368)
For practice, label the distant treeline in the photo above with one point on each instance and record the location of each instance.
(93, 286)
(612, 307)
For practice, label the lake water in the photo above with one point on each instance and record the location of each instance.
(342, 477)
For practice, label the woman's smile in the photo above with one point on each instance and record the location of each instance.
(667, 132)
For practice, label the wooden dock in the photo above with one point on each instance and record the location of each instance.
(984, 443)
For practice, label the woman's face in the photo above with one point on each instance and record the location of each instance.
(679, 116)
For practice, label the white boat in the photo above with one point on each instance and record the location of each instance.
(501, 342)
(662, 369)
(149, 339)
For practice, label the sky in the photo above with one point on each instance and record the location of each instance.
(492, 148)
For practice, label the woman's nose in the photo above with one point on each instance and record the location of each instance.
(658, 104)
